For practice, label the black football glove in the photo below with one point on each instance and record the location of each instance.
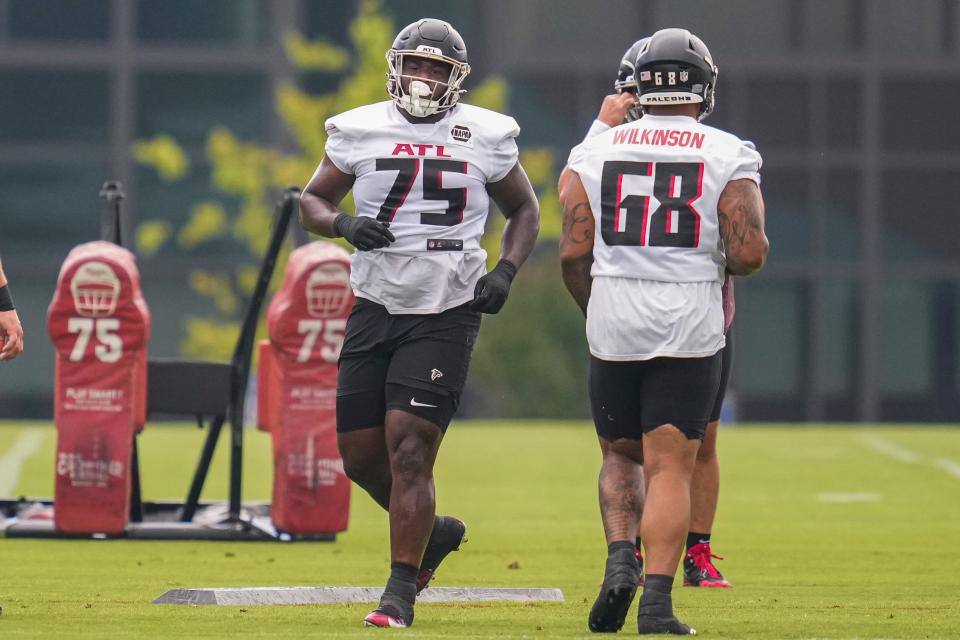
(362, 232)
(492, 289)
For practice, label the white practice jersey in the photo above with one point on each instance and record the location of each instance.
(429, 182)
(659, 262)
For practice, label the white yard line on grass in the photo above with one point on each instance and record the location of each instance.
(844, 498)
(887, 448)
(895, 451)
(12, 460)
(950, 466)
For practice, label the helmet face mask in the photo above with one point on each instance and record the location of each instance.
(675, 67)
(432, 40)
(626, 78)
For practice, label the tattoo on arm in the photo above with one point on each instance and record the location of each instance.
(576, 251)
(578, 224)
(741, 216)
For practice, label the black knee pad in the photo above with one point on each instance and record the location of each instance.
(360, 411)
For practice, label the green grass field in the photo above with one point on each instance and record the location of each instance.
(829, 532)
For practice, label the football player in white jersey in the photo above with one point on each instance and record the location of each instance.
(698, 567)
(656, 211)
(423, 168)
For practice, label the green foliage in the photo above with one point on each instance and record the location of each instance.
(164, 155)
(250, 176)
(315, 56)
(151, 235)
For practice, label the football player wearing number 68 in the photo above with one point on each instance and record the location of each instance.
(423, 168)
(656, 211)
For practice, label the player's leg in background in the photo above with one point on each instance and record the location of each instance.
(698, 567)
(705, 487)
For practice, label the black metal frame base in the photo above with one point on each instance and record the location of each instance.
(161, 521)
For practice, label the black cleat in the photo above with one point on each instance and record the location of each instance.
(616, 593)
(647, 624)
(447, 536)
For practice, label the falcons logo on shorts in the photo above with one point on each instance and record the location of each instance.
(436, 373)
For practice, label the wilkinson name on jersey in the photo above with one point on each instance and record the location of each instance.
(659, 138)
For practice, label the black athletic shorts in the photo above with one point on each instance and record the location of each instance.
(417, 363)
(634, 397)
(726, 363)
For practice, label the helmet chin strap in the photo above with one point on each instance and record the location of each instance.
(418, 102)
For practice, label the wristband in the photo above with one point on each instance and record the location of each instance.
(6, 301)
(508, 268)
(596, 129)
(338, 222)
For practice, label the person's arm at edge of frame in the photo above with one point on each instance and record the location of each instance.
(11, 331)
(517, 201)
(740, 211)
(576, 241)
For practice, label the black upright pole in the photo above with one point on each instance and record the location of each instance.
(112, 221)
(244, 351)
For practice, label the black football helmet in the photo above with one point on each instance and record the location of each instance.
(625, 77)
(435, 40)
(675, 67)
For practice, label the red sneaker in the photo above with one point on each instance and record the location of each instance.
(698, 569)
(385, 617)
(639, 555)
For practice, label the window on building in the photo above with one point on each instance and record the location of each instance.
(904, 128)
(47, 209)
(836, 344)
(54, 106)
(778, 112)
(467, 18)
(187, 105)
(908, 29)
(207, 22)
(906, 341)
(769, 325)
(732, 27)
(916, 214)
(328, 20)
(830, 25)
(59, 20)
(788, 221)
(843, 118)
(840, 216)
